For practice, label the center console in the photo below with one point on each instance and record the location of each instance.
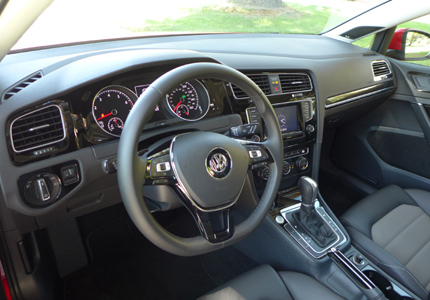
(301, 230)
(297, 120)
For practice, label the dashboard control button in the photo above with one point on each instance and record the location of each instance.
(69, 174)
(280, 220)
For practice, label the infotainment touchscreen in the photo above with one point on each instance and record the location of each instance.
(287, 117)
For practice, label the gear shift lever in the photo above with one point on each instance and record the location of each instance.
(321, 232)
(309, 190)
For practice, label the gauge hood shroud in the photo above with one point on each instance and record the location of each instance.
(190, 168)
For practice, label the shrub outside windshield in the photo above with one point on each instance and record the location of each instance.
(74, 21)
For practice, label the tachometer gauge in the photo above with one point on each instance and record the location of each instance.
(111, 107)
(189, 101)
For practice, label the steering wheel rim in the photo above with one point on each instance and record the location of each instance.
(132, 168)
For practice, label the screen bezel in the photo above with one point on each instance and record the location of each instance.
(300, 120)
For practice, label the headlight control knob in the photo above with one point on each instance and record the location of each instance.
(42, 189)
(302, 163)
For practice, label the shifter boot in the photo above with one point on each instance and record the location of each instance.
(318, 230)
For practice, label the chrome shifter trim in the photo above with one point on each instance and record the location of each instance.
(303, 240)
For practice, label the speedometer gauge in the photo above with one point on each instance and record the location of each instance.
(111, 107)
(189, 101)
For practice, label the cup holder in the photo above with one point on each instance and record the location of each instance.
(384, 285)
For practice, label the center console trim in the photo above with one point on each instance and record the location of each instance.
(340, 240)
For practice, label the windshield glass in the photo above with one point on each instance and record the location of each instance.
(72, 21)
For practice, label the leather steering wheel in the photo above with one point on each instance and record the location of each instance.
(207, 170)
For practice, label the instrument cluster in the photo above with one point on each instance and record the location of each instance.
(189, 101)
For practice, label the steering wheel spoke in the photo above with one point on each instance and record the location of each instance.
(215, 226)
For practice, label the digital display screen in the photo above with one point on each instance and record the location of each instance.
(287, 117)
(139, 89)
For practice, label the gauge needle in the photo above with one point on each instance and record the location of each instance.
(177, 105)
(104, 116)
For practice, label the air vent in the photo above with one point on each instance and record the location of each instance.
(21, 85)
(261, 80)
(39, 128)
(380, 70)
(295, 83)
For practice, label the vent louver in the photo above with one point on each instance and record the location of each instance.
(290, 83)
(261, 80)
(21, 85)
(380, 70)
(39, 128)
(295, 83)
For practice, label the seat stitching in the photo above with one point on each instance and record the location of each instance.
(393, 266)
(385, 247)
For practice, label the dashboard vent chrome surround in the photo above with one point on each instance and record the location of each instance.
(289, 83)
(295, 83)
(261, 80)
(16, 88)
(41, 127)
(380, 70)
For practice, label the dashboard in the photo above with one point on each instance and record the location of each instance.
(63, 111)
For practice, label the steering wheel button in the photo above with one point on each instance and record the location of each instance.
(255, 153)
(163, 167)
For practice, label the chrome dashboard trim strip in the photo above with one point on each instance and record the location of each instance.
(345, 98)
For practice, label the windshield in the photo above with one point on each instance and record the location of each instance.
(73, 21)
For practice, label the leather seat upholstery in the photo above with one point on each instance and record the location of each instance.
(392, 229)
(264, 282)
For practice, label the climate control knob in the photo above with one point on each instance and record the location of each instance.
(302, 163)
(263, 173)
(286, 168)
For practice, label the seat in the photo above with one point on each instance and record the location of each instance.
(264, 282)
(392, 229)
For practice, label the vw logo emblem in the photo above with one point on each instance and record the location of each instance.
(218, 163)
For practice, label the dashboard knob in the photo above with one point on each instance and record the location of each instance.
(302, 163)
(263, 173)
(286, 168)
(42, 189)
(310, 128)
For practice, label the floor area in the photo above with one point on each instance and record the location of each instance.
(125, 265)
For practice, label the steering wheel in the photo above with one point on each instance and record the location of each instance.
(207, 170)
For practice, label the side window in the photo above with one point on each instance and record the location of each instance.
(411, 42)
